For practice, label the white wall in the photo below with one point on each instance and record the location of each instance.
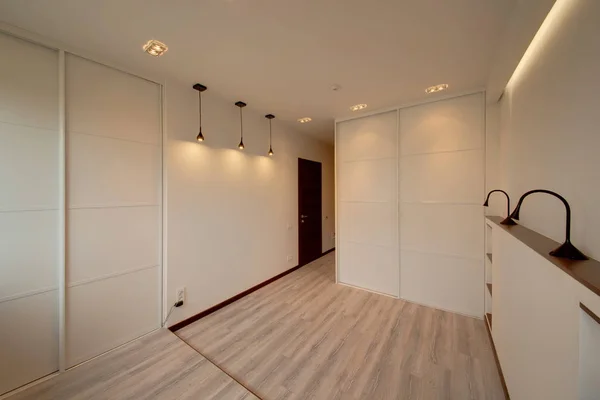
(549, 139)
(367, 200)
(549, 125)
(497, 202)
(229, 210)
(525, 20)
(29, 202)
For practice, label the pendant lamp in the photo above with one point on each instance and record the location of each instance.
(241, 105)
(270, 117)
(200, 88)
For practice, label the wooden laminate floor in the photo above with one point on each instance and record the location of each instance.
(157, 366)
(304, 337)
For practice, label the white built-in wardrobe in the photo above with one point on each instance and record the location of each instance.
(80, 210)
(409, 194)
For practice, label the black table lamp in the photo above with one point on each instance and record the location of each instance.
(507, 220)
(565, 250)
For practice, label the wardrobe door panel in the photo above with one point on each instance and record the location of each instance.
(114, 198)
(367, 201)
(29, 224)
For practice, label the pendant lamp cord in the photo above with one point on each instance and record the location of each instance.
(200, 109)
(241, 125)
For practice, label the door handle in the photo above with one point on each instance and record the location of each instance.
(303, 216)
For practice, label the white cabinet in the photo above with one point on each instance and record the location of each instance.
(547, 346)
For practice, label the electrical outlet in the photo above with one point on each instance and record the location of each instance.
(180, 294)
(290, 258)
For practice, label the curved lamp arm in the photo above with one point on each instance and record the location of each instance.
(566, 250)
(507, 220)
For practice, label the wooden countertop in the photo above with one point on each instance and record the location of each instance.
(585, 272)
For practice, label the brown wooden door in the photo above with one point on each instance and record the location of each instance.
(309, 211)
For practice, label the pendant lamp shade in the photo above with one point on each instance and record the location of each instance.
(241, 105)
(270, 117)
(200, 88)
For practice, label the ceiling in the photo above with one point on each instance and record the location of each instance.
(283, 56)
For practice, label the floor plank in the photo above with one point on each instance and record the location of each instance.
(304, 337)
(157, 366)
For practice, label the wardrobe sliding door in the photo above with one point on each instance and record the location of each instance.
(367, 201)
(442, 158)
(114, 216)
(29, 216)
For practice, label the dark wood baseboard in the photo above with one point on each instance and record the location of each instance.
(196, 317)
(504, 387)
(328, 251)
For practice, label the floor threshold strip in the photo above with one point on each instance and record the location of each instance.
(221, 369)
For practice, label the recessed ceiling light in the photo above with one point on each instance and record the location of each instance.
(358, 107)
(304, 120)
(436, 88)
(155, 48)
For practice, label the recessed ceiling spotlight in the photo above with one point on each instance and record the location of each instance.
(358, 107)
(304, 120)
(436, 88)
(155, 48)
